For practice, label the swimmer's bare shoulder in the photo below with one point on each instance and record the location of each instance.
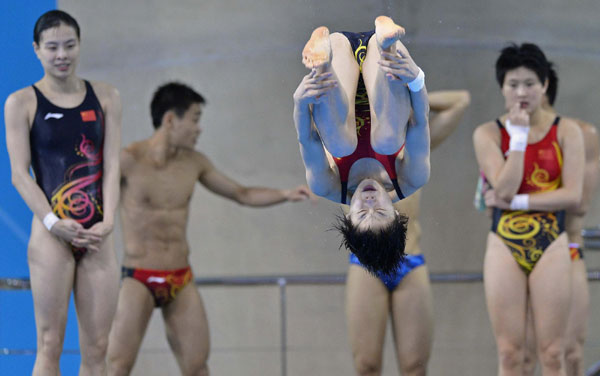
(590, 138)
(585, 126)
(22, 103)
(202, 162)
(486, 132)
(486, 141)
(105, 92)
(568, 128)
(490, 127)
(129, 157)
(588, 130)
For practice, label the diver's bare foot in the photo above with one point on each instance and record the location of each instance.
(387, 33)
(317, 51)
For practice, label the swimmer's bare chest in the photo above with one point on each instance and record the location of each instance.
(154, 212)
(168, 187)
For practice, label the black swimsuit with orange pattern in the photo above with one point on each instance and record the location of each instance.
(528, 233)
(66, 157)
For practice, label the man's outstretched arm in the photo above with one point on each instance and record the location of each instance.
(220, 184)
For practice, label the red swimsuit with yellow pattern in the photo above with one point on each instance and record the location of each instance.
(528, 233)
(163, 285)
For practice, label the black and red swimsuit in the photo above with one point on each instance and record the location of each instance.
(66, 157)
(359, 42)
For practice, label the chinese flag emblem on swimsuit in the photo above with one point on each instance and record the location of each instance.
(89, 115)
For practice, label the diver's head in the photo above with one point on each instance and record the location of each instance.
(371, 206)
(373, 230)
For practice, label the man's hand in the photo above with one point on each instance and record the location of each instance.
(300, 193)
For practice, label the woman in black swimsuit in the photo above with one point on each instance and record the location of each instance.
(68, 131)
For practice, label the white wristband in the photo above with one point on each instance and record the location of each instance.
(520, 202)
(49, 220)
(518, 136)
(418, 83)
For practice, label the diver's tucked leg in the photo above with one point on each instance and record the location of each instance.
(334, 113)
(389, 98)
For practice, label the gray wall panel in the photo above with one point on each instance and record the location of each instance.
(245, 58)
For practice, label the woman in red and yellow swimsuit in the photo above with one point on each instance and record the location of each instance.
(534, 162)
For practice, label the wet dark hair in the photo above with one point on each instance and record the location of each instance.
(552, 84)
(173, 96)
(53, 18)
(379, 251)
(526, 55)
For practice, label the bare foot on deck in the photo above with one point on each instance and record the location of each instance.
(387, 33)
(317, 51)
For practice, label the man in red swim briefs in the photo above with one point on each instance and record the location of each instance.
(158, 176)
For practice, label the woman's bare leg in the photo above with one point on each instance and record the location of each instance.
(389, 99)
(52, 270)
(578, 319)
(530, 358)
(506, 295)
(334, 114)
(367, 307)
(412, 322)
(96, 292)
(550, 295)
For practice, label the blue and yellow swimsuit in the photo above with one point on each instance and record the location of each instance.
(528, 233)
(391, 281)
